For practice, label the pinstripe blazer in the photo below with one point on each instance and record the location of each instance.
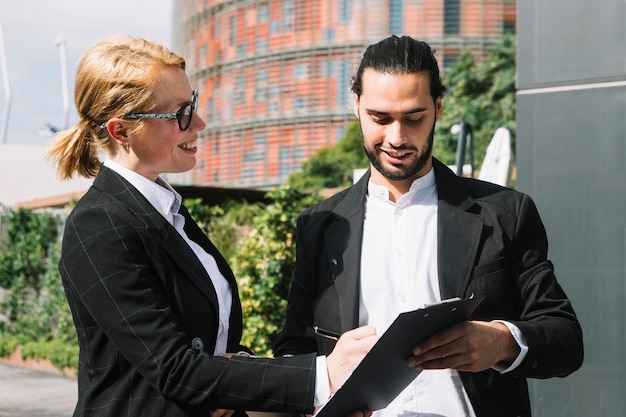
(146, 315)
(491, 242)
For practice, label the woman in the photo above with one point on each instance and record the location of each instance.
(154, 303)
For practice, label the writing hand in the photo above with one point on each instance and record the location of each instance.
(350, 349)
(470, 346)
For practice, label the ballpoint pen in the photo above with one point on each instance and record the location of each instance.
(329, 334)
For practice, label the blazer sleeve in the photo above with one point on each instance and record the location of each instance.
(112, 270)
(546, 317)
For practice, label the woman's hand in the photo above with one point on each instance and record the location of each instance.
(350, 349)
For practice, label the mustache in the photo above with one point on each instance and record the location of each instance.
(390, 148)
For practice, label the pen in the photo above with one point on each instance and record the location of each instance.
(329, 334)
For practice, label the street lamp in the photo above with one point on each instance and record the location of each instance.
(7, 87)
(60, 41)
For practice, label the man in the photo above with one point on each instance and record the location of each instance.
(409, 233)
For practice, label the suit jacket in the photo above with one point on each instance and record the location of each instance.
(146, 315)
(491, 243)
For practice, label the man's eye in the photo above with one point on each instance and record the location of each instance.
(414, 121)
(380, 121)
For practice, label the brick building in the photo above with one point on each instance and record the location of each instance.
(274, 75)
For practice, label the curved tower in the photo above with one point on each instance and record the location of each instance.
(274, 75)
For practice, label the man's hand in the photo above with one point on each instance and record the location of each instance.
(350, 349)
(471, 346)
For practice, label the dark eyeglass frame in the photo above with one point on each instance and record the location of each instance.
(183, 115)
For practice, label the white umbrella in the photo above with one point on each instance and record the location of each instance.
(496, 166)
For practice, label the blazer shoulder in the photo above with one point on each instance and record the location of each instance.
(328, 209)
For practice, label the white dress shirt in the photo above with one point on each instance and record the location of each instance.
(167, 202)
(399, 273)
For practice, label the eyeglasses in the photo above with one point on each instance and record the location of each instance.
(184, 115)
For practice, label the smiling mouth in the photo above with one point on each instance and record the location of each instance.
(188, 145)
(395, 154)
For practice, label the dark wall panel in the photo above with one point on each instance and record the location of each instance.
(572, 160)
(565, 41)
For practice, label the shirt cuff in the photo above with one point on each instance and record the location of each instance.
(322, 386)
(519, 338)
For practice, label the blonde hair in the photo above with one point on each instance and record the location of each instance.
(115, 77)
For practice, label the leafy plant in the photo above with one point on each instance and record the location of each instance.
(263, 267)
(37, 316)
(482, 95)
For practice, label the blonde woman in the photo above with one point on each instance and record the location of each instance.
(155, 305)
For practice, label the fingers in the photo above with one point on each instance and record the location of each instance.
(360, 332)
(469, 346)
(222, 413)
(350, 349)
(361, 413)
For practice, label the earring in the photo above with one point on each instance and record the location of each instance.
(127, 147)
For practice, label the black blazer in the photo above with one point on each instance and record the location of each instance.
(491, 243)
(146, 315)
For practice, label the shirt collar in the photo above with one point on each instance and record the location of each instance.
(419, 184)
(159, 193)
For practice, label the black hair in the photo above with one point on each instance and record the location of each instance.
(400, 55)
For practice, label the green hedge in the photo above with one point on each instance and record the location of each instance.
(258, 241)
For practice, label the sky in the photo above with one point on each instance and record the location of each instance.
(31, 30)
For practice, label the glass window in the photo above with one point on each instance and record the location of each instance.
(345, 11)
(395, 17)
(263, 14)
(452, 17)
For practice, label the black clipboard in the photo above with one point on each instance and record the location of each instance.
(383, 374)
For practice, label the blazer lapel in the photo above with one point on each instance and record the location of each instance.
(112, 183)
(458, 233)
(344, 240)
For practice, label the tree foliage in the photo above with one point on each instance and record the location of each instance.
(35, 310)
(481, 94)
(332, 166)
(263, 266)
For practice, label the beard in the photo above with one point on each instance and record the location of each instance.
(400, 173)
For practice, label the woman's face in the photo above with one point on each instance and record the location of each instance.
(161, 146)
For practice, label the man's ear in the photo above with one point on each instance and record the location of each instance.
(438, 108)
(356, 106)
(117, 130)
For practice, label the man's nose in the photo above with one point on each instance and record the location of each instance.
(396, 135)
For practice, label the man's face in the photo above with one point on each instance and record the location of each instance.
(397, 116)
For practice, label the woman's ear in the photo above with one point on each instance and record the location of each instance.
(117, 130)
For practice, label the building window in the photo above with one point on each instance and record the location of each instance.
(248, 173)
(299, 103)
(260, 139)
(395, 17)
(263, 14)
(449, 60)
(344, 80)
(274, 27)
(285, 162)
(452, 17)
(261, 45)
(508, 27)
(288, 16)
(232, 25)
(254, 156)
(300, 71)
(345, 11)
(329, 35)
